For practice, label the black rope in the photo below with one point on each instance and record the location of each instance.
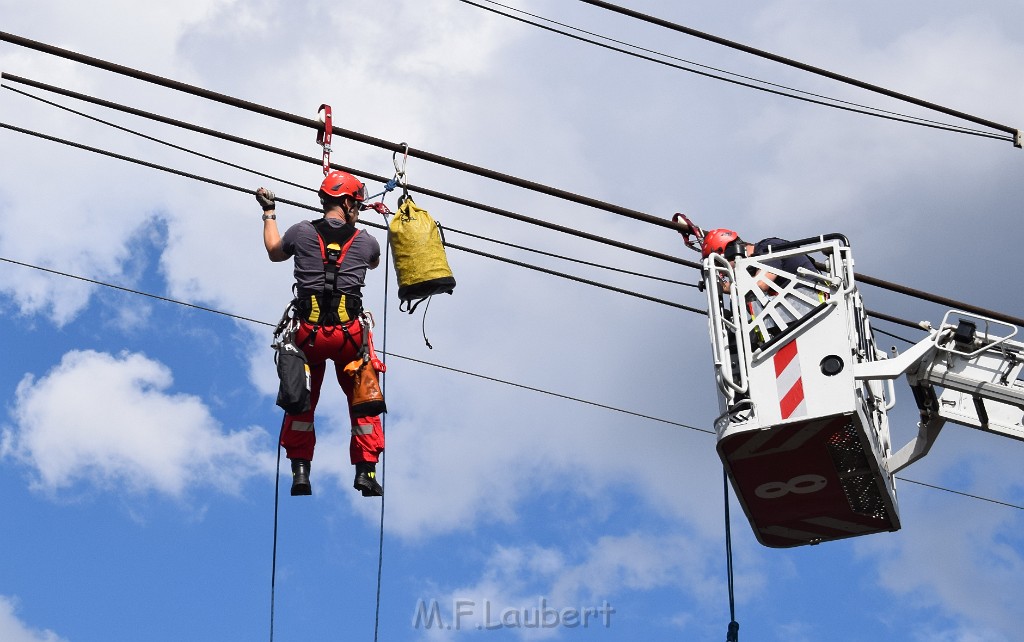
(890, 334)
(733, 634)
(273, 558)
(383, 418)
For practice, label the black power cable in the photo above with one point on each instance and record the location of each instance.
(319, 161)
(764, 86)
(293, 184)
(367, 223)
(941, 300)
(346, 133)
(1013, 131)
(862, 277)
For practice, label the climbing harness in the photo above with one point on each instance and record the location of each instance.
(323, 137)
(330, 306)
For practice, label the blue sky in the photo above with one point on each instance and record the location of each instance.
(137, 437)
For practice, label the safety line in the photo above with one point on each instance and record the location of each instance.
(892, 319)
(471, 374)
(559, 395)
(346, 133)
(957, 492)
(277, 504)
(1013, 131)
(131, 291)
(367, 223)
(732, 634)
(426, 191)
(381, 179)
(889, 334)
(835, 104)
(383, 432)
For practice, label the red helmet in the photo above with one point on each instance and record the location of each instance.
(339, 183)
(715, 241)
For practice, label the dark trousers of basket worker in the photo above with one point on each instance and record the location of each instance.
(331, 343)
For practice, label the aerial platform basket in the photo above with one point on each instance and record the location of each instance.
(804, 442)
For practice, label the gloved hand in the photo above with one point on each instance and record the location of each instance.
(378, 207)
(266, 199)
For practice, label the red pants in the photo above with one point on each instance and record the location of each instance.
(331, 343)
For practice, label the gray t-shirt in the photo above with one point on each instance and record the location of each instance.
(300, 241)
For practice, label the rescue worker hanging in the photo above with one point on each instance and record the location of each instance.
(331, 258)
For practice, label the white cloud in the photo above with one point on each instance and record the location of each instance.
(522, 579)
(13, 629)
(111, 422)
(961, 556)
(460, 82)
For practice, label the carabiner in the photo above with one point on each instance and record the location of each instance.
(400, 171)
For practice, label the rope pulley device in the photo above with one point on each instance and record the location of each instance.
(323, 136)
(692, 235)
(401, 178)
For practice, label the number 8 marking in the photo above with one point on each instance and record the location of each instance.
(799, 485)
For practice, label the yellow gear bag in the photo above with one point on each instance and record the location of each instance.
(417, 248)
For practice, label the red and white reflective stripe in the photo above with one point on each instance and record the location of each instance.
(323, 138)
(789, 383)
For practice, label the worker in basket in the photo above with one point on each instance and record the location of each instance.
(729, 244)
(331, 258)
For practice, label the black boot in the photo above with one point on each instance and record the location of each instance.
(366, 480)
(300, 477)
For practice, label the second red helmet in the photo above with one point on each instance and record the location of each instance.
(715, 241)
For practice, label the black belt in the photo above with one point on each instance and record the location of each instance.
(326, 315)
